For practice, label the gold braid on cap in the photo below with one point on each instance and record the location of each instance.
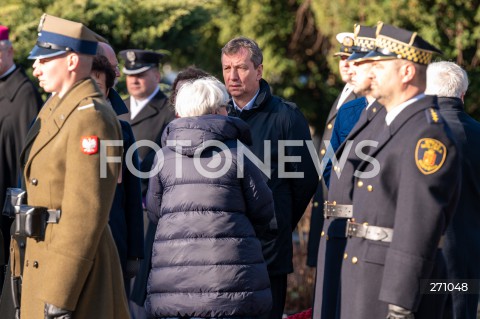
(403, 50)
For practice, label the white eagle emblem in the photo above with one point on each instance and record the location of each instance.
(89, 144)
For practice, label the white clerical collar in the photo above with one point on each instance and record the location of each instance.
(136, 106)
(12, 68)
(399, 108)
(247, 106)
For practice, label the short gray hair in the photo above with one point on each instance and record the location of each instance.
(200, 97)
(234, 45)
(446, 79)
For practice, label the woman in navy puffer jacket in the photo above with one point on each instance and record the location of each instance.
(206, 260)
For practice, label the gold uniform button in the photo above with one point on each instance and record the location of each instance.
(370, 188)
(315, 204)
(34, 182)
(345, 256)
(354, 260)
(374, 110)
(360, 184)
(323, 233)
(329, 126)
(322, 152)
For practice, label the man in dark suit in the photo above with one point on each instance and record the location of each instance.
(346, 40)
(462, 242)
(332, 245)
(149, 113)
(19, 105)
(404, 194)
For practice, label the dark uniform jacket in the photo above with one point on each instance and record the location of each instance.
(462, 239)
(19, 105)
(126, 214)
(347, 117)
(272, 119)
(207, 260)
(412, 189)
(316, 219)
(148, 125)
(76, 265)
(333, 239)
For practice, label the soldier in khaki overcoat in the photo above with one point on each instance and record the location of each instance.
(73, 270)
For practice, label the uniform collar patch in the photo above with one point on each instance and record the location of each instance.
(430, 154)
(89, 144)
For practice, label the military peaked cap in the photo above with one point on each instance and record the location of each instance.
(57, 36)
(346, 39)
(138, 61)
(364, 42)
(396, 43)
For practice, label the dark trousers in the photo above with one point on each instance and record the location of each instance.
(278, 284)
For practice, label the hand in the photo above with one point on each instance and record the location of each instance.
(133, 266)
(396, 312)
(53, 312)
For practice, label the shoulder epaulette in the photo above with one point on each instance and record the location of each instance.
(433, 116)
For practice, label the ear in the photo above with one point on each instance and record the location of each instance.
(408, 72)
(259, 72)
(73, 61)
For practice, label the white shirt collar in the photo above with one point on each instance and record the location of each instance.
(136, 106)
(345, 93)
(399, 108)
(247, 106)
(12, 68)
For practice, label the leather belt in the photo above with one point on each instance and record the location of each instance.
(53, 216)
(369, 232)
(332, 209)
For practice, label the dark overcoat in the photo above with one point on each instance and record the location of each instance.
(19, 105)
(462, 239)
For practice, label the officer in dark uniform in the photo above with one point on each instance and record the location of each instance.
(346, 39)
(462, 239)
(149, 110)
(404, 195)
(338, 207)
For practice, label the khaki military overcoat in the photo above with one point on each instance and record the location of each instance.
(76, 266)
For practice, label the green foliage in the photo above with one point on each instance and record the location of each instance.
(297, 36)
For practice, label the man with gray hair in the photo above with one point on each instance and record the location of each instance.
(461, 246)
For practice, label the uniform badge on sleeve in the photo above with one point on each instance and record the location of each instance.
(89, 144)
(430, 155)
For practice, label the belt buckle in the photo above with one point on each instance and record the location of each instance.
(327, 206)
(351, 229)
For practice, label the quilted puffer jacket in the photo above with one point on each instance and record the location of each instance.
(207, 260)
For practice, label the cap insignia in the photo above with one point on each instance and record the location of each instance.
(131, 56)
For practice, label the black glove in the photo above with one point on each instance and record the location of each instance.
(133, 266)
(53, 312)
(396, 312)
